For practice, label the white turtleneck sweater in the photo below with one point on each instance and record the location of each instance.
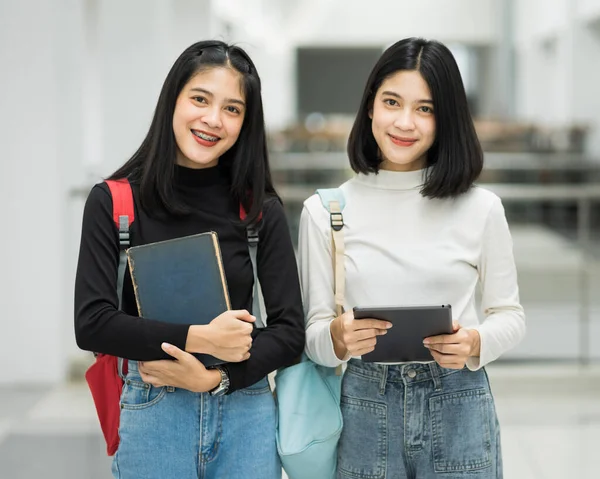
(404, 249)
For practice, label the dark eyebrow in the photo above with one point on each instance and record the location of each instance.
(394, 94)
(227, 100)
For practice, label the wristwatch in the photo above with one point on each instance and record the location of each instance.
(223, 386)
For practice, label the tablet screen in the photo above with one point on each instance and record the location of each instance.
(411, 324)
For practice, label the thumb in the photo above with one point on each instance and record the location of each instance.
(172, 350)
(244, 315)
(455, 326)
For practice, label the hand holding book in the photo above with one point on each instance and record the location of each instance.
(227, 337)
(184, 372)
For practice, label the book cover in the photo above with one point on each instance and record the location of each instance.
(180, 281)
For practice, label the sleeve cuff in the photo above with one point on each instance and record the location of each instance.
(319, 345)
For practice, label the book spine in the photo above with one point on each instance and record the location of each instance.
(221, 270)
(131, 264)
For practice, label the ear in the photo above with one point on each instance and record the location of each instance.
(371, 113)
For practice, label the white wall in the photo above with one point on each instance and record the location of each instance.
(385, 21)
(271, 30)
(558, 58)
(80, 81)
(587, 9)
(31, 194)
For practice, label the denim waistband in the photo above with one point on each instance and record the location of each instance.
(404, 373)
(132, 365)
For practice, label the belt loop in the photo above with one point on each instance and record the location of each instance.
(435, 376)
(382, 383)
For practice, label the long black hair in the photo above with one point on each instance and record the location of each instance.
(152, 166)
(456, 157)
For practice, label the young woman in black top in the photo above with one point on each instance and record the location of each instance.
(204, 155)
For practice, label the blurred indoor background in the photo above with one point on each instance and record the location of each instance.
(79, 81)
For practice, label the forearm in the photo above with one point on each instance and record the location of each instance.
(197, 340)
(116, 333)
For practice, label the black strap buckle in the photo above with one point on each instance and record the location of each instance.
(337, 221)
(252, 235)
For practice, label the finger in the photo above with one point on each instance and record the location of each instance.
(362, 352)
(453, 349)
(149, 379)
(448, 361)
(174, 351)
(368, 333)
(243, 315)
(442, 339)
(152, 367)
(455, 326)
(354, 347)
(238, 358)
(370, 324)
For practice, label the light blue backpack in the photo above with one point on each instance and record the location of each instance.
(308, 395)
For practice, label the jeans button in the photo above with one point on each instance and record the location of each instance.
(411, 373)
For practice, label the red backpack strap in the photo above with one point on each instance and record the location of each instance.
(123, 210)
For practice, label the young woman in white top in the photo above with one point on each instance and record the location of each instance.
(417, 232)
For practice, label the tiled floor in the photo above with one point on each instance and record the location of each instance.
(550, 418)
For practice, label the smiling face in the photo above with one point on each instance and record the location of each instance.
(208, 117)
(403, 121)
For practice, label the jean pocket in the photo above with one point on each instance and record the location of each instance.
(140, 395)
(362, 452)
(259, 387)
(460, 427)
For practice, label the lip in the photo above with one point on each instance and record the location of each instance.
(203, 142)
(402, 141)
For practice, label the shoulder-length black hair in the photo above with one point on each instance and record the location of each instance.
(456, 157)
(153, 165)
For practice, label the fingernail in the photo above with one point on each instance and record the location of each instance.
(425, 342)
(388, 325)
(166, 346)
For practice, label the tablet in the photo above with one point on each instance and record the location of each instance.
(411, 324)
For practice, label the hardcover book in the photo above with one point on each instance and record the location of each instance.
(180, 281)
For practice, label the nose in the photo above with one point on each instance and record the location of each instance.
(212, 117)
(405, 120)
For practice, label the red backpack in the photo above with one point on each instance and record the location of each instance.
(106, 376)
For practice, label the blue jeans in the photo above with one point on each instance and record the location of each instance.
(417, 421)
(174, 433)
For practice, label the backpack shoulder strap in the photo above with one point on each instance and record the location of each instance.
(258, 308)
(334, 202)
(123, 216)
(123, 210)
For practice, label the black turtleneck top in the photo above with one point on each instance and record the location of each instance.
(101, 327)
